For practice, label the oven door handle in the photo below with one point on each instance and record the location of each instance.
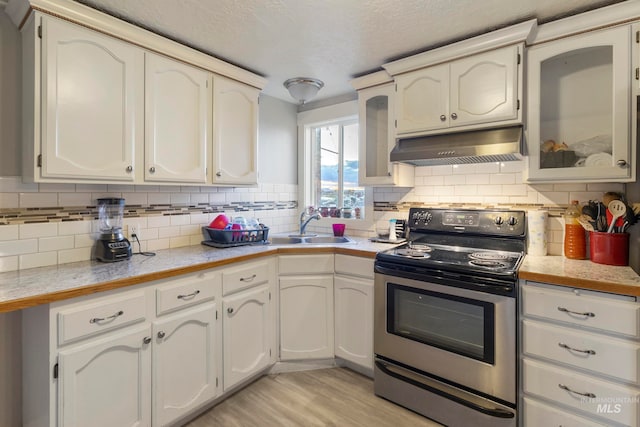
(415, 380)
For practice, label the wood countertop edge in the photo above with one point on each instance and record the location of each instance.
(595, 285)
(46, 298)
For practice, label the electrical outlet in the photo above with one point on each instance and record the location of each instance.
(134, 229)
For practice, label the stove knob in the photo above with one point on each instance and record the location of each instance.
(512, 221)
(499, 220)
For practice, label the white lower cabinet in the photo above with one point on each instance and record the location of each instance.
(353, 287)
(185, 362)
(580, 357)
(106, 382)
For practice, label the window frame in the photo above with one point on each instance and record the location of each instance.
(307, 120)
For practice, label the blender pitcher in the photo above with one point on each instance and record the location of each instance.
(112, 245)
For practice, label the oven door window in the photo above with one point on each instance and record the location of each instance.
(460, 325)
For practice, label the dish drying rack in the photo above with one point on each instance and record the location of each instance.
(230, 238)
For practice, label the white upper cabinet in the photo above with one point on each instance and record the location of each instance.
(579, 108)
(478, 89)
(235, 122)
(92, 109)
(376, 106)
(178, 120)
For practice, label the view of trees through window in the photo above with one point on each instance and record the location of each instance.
(335, 165)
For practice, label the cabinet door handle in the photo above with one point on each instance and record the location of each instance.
(564, 387)
(621, 163)
(188, 296)
(248, 279)
(586, 313)
(129, 168)
(102, 319)
(146, 340)
(161, 334)
(454, 116)
(443, 118)
(230, 310)
(218, 174)
(152, 169)
(563, 345)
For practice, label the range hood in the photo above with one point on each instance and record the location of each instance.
(478, 146)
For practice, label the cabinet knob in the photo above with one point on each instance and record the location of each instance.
(621, 163)
(230, 310)
(454, 116)
(161, 334)
(443, 118)
(218, 174)
(129, 168)
(152, 169)
(146, 340)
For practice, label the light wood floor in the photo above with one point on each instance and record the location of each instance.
(325, 397)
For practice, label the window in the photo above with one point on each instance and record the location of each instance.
(334, 167)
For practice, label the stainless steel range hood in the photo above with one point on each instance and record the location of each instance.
(478, 146)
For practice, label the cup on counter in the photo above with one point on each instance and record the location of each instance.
(338, 229)
(609, 248)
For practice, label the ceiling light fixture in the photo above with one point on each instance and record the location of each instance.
(303, 88)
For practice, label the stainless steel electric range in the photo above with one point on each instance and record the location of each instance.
(445, 316)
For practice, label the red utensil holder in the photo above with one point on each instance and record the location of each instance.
(609, 248)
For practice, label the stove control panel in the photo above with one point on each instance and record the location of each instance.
(490, 222)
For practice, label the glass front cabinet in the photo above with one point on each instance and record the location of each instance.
(377, 134)
(579, 111)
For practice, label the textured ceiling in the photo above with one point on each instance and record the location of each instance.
(333, 40)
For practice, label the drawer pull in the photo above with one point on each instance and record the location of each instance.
(564, 387)
(189, 296)
(586, 313)
(563, 345)
(102, 319)
(248, 279)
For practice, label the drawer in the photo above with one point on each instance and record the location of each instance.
(235, 279)
(186, 292)
(536, 414)
(99, 317)
(608, 356)
(354, 266)
(305, 264)
(605, 399)
(582, 308)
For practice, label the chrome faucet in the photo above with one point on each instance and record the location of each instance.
(304, 222)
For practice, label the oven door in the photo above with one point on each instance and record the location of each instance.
(457, 335)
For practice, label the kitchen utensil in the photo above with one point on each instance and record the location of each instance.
(112, 245)
(609, 196)
(617, 209)
(585, 223)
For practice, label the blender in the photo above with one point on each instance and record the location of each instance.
(112, 245)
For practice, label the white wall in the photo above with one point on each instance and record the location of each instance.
(10, 105)
(278, 141)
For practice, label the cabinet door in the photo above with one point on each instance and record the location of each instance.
(354, 320)
(306, 317)
(178, 117)
(235, 124)
(185, 359)
(92, 108)
(106, 382)
(377, 139)
(422, 101)
(579, 98)
(246, 334)
(484, 87)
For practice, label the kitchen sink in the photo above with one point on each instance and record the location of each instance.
(309, 240)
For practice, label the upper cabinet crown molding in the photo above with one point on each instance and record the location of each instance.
(496, 39)
(19, 10)
(619, 13)
(374, 79)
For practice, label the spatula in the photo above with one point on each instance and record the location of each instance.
(617, 209)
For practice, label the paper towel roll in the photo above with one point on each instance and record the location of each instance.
(537, 232)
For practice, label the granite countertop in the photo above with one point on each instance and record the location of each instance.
(26, 288)
(584, 274)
